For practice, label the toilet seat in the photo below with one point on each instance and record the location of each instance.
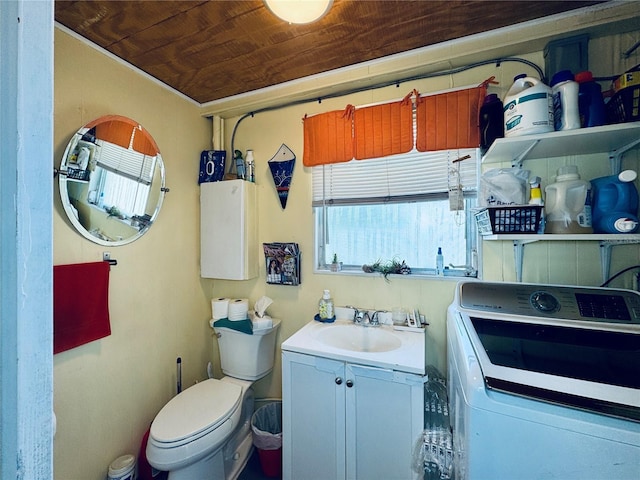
(195, 412)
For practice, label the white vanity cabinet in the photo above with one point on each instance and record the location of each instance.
(347, 421)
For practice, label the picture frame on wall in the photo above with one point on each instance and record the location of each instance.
(282, 262)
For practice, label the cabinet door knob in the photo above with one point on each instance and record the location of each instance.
(338, 381)
(349, 383)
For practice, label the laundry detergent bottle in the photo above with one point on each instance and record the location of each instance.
(568, 203)
(565, 101)
(528, 107)
(615, 203)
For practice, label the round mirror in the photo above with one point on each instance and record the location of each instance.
(112, 180)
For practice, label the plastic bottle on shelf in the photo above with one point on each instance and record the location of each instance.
(568, 207)
(565, 101)
(590, 101)
(325, 306)
(536, 199)
(241, 171)
(439, 263)
(528, 107)
(491, 121)
(615, 203)
(251, 166)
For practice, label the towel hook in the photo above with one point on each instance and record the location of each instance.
(106, 257)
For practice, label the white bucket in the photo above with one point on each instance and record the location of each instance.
(123, 468)
(528, 108)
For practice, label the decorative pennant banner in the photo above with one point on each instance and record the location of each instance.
(281, 165)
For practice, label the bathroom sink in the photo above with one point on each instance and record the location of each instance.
(343, 340)
(359, 339)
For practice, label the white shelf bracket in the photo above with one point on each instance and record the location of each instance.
(518, 256)
(517, 162)
(605, 259)
(605, 254)
(615, 157)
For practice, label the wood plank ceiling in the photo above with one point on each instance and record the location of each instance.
(210, 50)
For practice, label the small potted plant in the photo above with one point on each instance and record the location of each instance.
(335, 265)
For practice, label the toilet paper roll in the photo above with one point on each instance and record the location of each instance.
(238, 309)
(220, 308)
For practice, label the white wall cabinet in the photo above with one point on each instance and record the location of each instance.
(347, 421)
(228, 230)
(615, 140)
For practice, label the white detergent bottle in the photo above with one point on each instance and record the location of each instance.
(528, 107)
(568, 203)
(565, 101)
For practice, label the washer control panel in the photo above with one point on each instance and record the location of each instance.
(552, 301)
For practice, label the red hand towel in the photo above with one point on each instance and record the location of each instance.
(80, 304)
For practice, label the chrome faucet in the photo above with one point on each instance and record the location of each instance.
(375, 322)
(362, 317)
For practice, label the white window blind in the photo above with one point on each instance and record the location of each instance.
(128, 163)
(411, 176)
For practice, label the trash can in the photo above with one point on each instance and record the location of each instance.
(123, 468)
(266, 429)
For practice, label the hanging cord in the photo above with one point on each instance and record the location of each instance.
(441, 73)
(618, 274)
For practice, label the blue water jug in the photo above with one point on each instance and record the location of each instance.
(615, 203)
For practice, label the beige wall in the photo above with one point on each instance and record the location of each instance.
(557, 262)
(107, 392)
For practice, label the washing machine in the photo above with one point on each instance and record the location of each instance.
(544, 382)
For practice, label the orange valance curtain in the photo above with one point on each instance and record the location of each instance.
(328, 137)
(383, 130)
(449, 120)
(117, 130)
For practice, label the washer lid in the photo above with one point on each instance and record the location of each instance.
(199, 408)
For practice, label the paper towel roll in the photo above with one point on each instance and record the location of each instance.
(220, 308)
(238, 309)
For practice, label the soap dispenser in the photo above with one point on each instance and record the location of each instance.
(325, 306)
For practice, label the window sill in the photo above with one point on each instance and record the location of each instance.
(450, 274)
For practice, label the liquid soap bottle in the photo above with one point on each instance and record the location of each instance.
(325, 307)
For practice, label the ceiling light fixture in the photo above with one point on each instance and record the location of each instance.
(299, 11)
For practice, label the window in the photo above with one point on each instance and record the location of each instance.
(398, 208)
(122, 178)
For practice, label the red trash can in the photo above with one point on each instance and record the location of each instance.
(266, 429)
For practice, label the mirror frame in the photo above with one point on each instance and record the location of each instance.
(64, 192)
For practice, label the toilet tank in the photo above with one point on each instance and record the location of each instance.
(244, 356)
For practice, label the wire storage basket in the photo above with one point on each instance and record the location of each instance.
(624, 106)
(509, 219)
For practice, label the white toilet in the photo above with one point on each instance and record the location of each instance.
(204, 433)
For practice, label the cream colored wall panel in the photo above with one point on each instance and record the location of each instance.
(107, 392)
